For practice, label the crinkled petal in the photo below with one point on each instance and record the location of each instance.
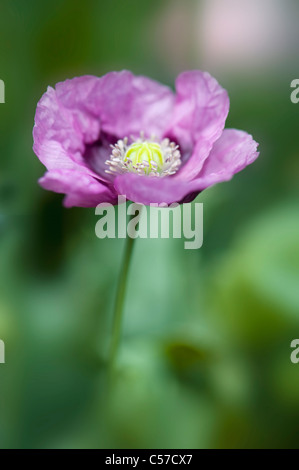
(199, 117)
(128, 104)
(81, 190)
(195, 163)
(149, 190)
(63, 126)
(231, 153)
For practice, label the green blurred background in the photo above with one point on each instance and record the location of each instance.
(205, 355)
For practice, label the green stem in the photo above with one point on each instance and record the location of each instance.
(119, 304)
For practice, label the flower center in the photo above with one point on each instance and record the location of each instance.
(147, 153)
(144, 157)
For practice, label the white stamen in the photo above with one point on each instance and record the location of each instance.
(168, 151)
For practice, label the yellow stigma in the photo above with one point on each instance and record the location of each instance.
(148, 154)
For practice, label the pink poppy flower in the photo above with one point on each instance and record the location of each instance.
(121, 134)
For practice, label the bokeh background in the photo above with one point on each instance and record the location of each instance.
(205, 355)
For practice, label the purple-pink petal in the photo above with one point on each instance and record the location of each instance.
(147, 190)
(199, 116)
(60, 132)
(128, 104)
(196, 161)
(81, 190)
(232, 152)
